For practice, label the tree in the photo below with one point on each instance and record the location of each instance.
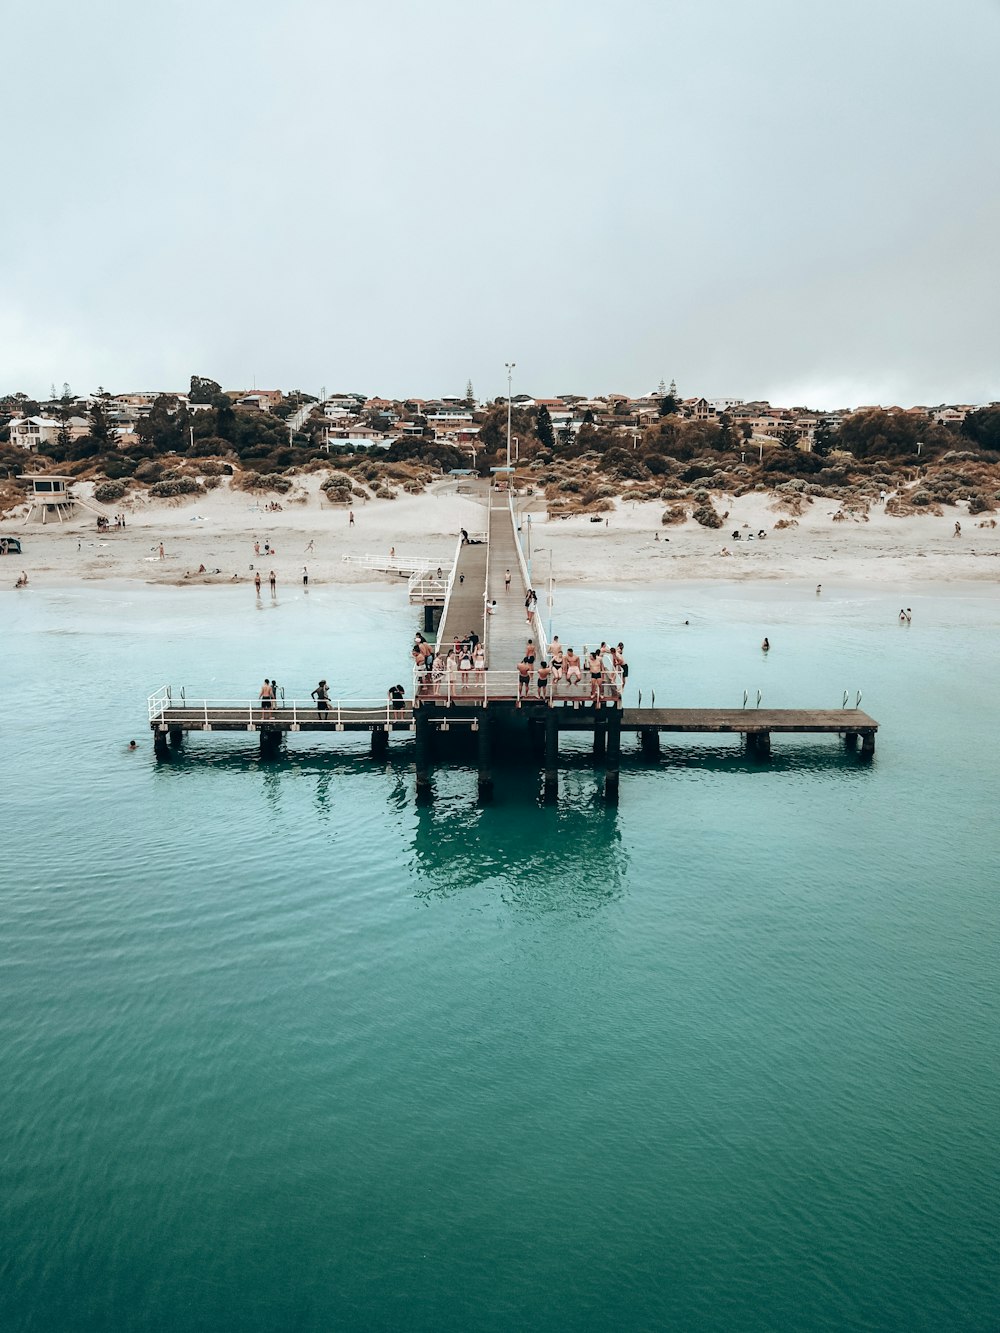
(100, 431)
(543, 428)
(225, 419)
(789, 436)
(983, 427)
(204, 390)
(588, 418)
(824, 440)
(669, 406)
(470, 397)
(727, 438)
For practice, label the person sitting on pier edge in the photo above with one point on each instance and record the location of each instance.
(266, 695)
(322, 696)
(524, 674)
(556, 653)
(465, 536)
(491, 608)
(573, 670)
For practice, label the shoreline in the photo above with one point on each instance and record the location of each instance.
(628, 545)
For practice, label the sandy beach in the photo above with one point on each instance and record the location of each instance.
(219, 528)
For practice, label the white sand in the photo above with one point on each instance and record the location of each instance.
(218, 529)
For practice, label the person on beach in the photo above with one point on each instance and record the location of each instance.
(351, 519)
(272, 580)
(305, 577)
(266, 696)
(819, 589)
(256, 548)
(392, 552)
(322, 696)
(958, 529)
(765, 647)
(310, 547)
(506, 581)
(163, 552)
(256, 582)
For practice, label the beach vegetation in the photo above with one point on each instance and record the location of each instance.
(707, 516)
(166, 490)
(106, 492)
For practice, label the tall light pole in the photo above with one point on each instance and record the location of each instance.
(510, 373)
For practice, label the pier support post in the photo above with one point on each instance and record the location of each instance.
(270, 742)
(850, 740)
(380, 742)
(750, 744)
(176, 737)
(868, 745)
(600, 736)
(551, 783)
(485, 748)
(649, 740)
(160, 747)
(763, 748)
(614, 747)
(423, 752)
(428, 620)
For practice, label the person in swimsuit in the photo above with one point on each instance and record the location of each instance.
(272, 579)
(322, 696)
(524, 672)
(618, 657)
(256, 582)
(266, 696)
(544, 672)
(572, 669)
(506, 581)
(529, 651)
(479, 661)
(595, 668)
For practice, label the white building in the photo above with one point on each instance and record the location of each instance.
(31, 432)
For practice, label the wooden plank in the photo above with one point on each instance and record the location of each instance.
(748, 720)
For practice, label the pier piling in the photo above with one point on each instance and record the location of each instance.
(485, 755)
(551, 782)
(423, 752)
(600, 737)
(649, 740)
(380, 742)
(160, 747)
(850, 740)
(613, 755)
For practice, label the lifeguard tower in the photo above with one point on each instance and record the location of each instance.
(49, 495)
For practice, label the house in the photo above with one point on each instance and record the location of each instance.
(261, 400)
(32, 432)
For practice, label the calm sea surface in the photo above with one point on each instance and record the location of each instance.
(281, 1050)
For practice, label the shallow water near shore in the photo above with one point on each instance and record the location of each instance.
(284, 1050)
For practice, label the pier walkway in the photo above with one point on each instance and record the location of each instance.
(455, 715)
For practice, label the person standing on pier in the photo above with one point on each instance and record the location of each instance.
(272, 579)
(322, 696)
(525, 671)
(506, 581)
(266, 695)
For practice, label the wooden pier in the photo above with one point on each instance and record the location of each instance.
(469, 717)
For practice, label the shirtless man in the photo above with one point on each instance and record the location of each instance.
(571, 667)
(524, 672)
(544, 672)
(595, 668)
(506, 581)
(266, 695)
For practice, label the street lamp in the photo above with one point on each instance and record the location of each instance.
(510, 372)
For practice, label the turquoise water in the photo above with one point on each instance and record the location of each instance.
(282, 1050)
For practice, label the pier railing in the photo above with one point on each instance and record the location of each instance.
(166, 709)
(441, 686)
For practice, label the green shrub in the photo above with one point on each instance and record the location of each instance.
(707, 517)
(106, 492)
(673, 514)
(980, 503)
(165, 490)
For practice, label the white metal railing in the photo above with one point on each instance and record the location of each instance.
(387, 565)
(539, 634)
(164, 709)
(428, 589)
(443, 686)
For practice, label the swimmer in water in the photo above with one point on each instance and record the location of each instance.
(765, 647)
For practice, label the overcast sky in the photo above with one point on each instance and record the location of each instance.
(786, 199)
